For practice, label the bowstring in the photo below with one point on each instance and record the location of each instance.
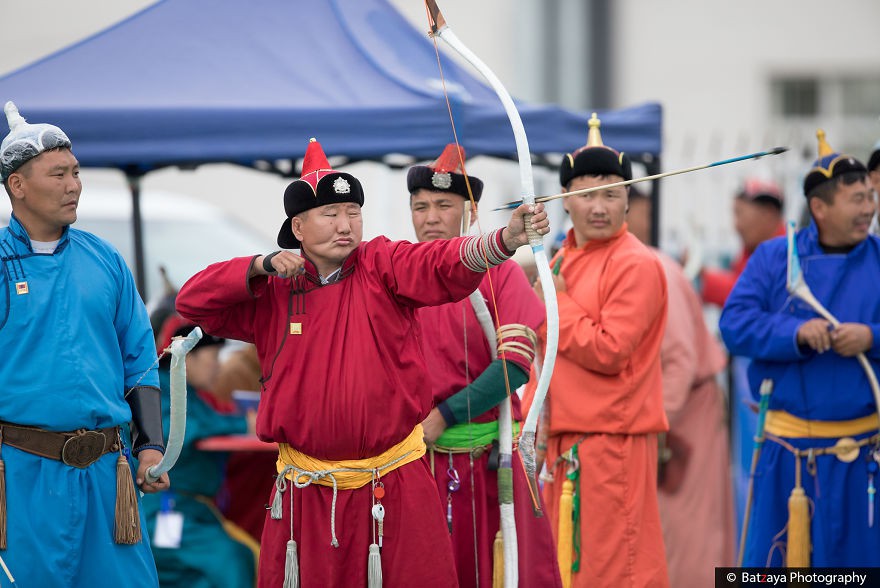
(471, 198)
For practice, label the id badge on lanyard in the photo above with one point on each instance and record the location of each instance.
(169, 524)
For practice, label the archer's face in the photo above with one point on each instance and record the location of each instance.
(847, 220)
(436, 214)
(596, 215)
(45, 193)
(329, 233)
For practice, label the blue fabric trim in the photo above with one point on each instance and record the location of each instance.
(446, 412)
(136, 451)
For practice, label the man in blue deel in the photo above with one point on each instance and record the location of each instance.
(814, 486)
(77, 363)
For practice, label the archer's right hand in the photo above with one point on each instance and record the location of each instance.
(285, 264)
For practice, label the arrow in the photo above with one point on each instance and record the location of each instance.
(758, 155)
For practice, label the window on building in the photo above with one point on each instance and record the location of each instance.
(860, 97)
(803, 96)
(795, 97)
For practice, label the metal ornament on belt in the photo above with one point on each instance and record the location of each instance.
(441, 180)
(83, 449)
(847, 450)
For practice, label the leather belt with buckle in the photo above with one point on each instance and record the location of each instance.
(80, 448)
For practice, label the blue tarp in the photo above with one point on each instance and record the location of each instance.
(197, 81)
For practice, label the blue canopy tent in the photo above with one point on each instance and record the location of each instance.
(186, 82)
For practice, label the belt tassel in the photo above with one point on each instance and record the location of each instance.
(291, 559)
(291, 566)
(565, 547)
(374, 567)
(128, 521)
(498, 561)
(275, 510)
(799, 546)
(2, 498)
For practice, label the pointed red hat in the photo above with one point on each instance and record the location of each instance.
(318, 185)
(315, 164)
(444, 175)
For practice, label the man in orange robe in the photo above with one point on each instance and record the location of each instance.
(605, 397)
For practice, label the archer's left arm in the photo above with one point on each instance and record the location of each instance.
(441, 271)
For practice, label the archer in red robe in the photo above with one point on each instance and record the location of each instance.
(343, 375)
(468, 384)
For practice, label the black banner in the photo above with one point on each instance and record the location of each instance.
(805, 577)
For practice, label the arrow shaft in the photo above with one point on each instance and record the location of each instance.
(622, 183)
(648, 178)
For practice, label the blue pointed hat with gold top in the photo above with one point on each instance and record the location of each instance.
(594, 158)
(829, 165)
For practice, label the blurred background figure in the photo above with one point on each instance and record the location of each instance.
(249, 474)
(758, 216)
(874, 180)
(874, 169)
(695, 492)
(194, 546)
(757, 211)
(162, 307)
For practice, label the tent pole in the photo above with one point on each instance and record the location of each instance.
(140, 279)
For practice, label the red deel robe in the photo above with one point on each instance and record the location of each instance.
(350, 386)
(510, 300)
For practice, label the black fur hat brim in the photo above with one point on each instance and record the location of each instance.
(299, 196)
(594, 161)
(423, 177)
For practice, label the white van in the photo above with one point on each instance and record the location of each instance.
(180, 233)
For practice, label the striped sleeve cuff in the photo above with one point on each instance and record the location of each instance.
(480, 253)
